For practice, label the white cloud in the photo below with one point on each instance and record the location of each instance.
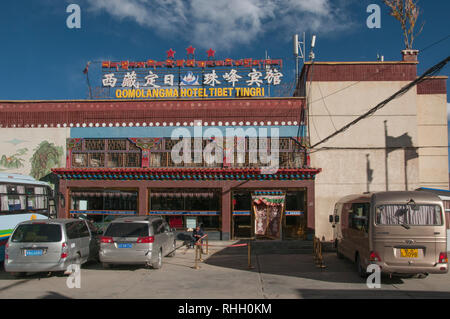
(227, 23)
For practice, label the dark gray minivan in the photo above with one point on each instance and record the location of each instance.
(50, 245)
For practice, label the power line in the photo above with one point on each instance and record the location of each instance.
(355, 148)
(437, 42)
(431, 71)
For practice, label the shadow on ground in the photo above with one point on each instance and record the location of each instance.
(370, 293)
(290, 258)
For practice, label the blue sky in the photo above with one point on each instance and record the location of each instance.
(43, 59)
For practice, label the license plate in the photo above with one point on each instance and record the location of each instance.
(125, 245)
(409, 253)
(36, 252)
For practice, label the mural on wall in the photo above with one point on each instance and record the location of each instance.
(46, 156)
(32, 151)
(13, 161)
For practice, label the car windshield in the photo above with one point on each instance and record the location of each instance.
(127, 230)
(409, 215)
(37, 233)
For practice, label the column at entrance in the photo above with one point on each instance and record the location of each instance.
(226, 213)
(143, 201)
(63, 199)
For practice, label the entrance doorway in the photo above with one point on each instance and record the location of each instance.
(241, 210)
(295, 217)
(293, 220)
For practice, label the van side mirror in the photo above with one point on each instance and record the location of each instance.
(336, 219)
(330, 218)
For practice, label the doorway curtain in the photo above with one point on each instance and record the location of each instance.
(267, 212)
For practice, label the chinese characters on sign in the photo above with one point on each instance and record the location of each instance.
(130, 80)
(191, 78)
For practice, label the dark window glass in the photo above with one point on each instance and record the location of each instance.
(242, 201)
(84, 231)
(359, 216)
(94, 229)
(127, 230)
(295, 201)
(158, 227)
(37, 233)
(73, 230)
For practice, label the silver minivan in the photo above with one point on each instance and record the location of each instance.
(50, 245)
(137, 240)
(403, 232)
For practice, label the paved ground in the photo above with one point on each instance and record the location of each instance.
(277, 273)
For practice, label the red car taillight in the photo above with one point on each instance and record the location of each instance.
(106, 240)
(64, 250)
(146, 240)
(374, 256)
(443, 259)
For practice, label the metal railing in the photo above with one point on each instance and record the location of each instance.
(317, 251)
(199, 251)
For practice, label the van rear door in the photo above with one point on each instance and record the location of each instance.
(39, 242)
(407, 236)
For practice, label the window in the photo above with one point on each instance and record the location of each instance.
(23, 197)
(208, 222)
(242, 201)
(84, 231)
(72, 230)
(158, 226)
(193, 200)
(37, 233)
(127, 230)
(359, 217)
(106, 153)
(409, 215)
(295, 201)
(104, 200)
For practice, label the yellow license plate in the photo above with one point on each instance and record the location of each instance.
(409, 253)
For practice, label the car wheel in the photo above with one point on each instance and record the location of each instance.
(359, 268)
(158, 263)
(174, 246)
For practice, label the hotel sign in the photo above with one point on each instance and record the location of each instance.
(191, 78)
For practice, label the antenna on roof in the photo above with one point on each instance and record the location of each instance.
(299, 52)
(313, 44)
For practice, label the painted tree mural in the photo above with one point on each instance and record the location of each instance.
(46, 156)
